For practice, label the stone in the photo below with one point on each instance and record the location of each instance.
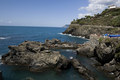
(104, 53)
(36, 56)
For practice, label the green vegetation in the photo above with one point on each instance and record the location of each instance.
(109, 17)
(101, 39)
(117, 55)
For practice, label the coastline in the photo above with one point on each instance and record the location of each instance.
(73, 36)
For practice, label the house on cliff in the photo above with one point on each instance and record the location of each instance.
(112, 6)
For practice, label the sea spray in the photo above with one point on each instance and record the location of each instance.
(2, 38)
(72, 35)
(0, 60)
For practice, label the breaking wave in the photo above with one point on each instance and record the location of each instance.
(1, 38)
(0, 60)
(71, 35)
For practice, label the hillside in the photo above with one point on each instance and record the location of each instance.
(106, 22)
(109, 17)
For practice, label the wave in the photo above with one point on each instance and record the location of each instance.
(72, 35)
(0, 57)
(0, 60)
(1, 38)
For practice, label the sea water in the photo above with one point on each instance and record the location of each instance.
(14, 35)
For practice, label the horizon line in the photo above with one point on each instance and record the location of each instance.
(29, 26)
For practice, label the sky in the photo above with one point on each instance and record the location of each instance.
(51, 13)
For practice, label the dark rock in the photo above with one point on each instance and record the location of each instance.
(87, 74)
(104, 53)
(85, 51)
(53, 41)
(95, 62)
(118, 78)
(111, 68)
(1, 75)
(36, 56)
(57, 44)
(28, 78)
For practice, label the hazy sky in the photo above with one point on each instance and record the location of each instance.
(55, 13)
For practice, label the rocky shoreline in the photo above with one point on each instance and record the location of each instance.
(39, 56)
(105, 55)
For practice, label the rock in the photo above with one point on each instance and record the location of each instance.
(57, 44)
(53, 41)
(87, 74)
(104, 52)
(118, 78)
(95, 62)
(85, 51)
(36, 56)
(1, 75)
(111, 68)
(29, 78)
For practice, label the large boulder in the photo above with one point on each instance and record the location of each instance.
(112, 69)
(36, 56)
(88, 48)
(105, 52)
(85, 51)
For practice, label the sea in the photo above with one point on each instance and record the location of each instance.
(14, 35)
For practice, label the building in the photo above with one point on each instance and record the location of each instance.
(112, 6)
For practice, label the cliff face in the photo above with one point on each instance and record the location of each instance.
(86, 30)
(106, 22)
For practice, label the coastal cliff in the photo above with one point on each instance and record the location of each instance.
(87, 30)
(106, 22)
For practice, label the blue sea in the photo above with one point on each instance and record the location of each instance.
(14, 35)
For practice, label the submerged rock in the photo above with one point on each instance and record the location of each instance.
(87, 74)
(1, 78)
(28, 78)
(36, 56)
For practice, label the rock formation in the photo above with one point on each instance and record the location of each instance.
(105, 54)
(36, 56)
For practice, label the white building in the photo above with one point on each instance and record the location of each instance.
(112, 6)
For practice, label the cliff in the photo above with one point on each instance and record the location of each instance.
(87, 30)
(106, 22)
(109, 17)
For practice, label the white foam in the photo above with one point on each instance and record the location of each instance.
(0, 60)
(72, 35)
(1, 38)
(68, 50)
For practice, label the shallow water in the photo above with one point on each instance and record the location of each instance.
(16, 35)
